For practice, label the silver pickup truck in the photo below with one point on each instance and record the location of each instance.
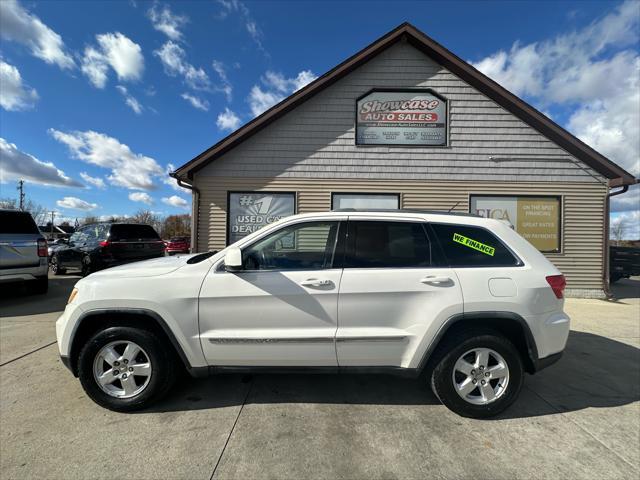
(23, 251)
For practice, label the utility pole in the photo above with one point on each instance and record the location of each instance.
(21, 189)
(53, 214)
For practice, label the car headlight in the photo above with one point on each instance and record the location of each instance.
(74, 292)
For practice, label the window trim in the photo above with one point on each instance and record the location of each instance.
(348, 247)
(519, 262)
(253, 192)
(560, 199)
(336, 242)
(395, 194)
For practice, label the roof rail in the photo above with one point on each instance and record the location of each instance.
(407, 210)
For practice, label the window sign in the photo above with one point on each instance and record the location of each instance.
(401, 117)
(250, 211)
(365, 200)
(536, 218)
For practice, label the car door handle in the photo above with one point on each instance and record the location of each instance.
(433, 279)
(316, 282)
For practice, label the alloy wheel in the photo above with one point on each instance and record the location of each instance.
(480, 376)
(122, 369)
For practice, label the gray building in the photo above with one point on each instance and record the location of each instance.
(405, 123)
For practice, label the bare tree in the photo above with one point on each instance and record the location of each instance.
(619, 227)
(39, 213)
(176, 226)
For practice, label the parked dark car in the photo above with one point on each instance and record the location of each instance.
(178, 245)
(55, 245)
(103, 245)
(624, 262)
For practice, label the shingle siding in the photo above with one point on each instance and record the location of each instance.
(318, 137)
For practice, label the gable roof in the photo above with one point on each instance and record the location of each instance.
(617, 175)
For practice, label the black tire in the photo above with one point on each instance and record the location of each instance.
(39, 285)
(445, 358)
(87, 266)
(56, 269)
(164, 368)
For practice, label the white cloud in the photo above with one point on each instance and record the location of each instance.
(14, 95)
(95, 181)
(228, 120)
(128, 169)
(131, 101)
(225, 85)
(176, 201)
(172, 182)
(196, 102)
(173, 58)
(165, 21)
(75, 203)
(238, 7)
(627, 201)
(18, 25)
(15, 165)
(630, 228)
(276, 88)
(114, 50)
(593, 72)
(141, 197)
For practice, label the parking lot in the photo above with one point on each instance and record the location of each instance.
(578, 419)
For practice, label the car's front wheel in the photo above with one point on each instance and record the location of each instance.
(126, 369)
(478, 374)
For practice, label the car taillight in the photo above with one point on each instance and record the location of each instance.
(42, 247)
(105, 243)
(557, 284)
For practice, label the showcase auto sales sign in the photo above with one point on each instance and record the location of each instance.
(401, 118)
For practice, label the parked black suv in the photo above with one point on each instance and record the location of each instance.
(624, 262)
(103, 245)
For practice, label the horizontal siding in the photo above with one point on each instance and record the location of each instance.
(582, 216)
(317, 139)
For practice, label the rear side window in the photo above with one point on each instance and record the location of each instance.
(17, 222)
(387, 245)
(122, 233)
(466, 246)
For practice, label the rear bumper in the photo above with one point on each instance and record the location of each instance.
(25, 274)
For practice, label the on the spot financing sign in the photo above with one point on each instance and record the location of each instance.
(535, 218)
(401, 118)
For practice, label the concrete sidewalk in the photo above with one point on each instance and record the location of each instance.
(578, 419)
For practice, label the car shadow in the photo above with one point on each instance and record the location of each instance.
(16, 299)
(594, 372)
(626, 289)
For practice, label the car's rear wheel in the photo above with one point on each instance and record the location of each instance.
(56, 269)
(87, 267)
(126, 369)
(478, 374)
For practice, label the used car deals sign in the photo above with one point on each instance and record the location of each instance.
(401, 117)
(535, 218)
(250, 211)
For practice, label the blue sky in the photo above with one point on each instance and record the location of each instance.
(113, 94)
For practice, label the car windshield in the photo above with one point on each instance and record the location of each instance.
(122, 232)
(17, 222)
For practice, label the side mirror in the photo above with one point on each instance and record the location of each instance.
(233, 260)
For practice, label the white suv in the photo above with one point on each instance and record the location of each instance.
(460, 301)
